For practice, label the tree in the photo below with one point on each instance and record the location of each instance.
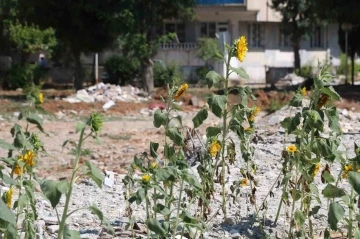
(140, 21)
(298, 19)
(346, 13)
(78, 25)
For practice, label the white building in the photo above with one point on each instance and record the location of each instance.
(270, 54)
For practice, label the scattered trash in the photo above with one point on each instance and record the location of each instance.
(106, 93)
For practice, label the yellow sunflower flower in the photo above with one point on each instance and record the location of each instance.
(243, 182)
(8, 197)
(41, 98)
(17, 170)
(303, 91)
(291, 148)
(214, 148)
(316, 169)
(347, 169)
(181, 91)
(241, 48)
(254, 113)
(146, 178)
(29, 158)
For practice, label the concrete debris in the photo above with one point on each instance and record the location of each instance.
(290, 79)
(109, 178)
(108, 104)
(107, 93)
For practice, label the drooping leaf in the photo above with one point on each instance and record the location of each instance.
(200, 117)
(330, 91)
(160, 118)
(354, 180)
(212, 78)
(51, 191)
(217, 104)
(212, 132)
(140, 195)
(6, 214)
(299, 217)
(35, 119)
(314, 210)
(330, 191)
(175, 135)
(153, 148)
(94, 173)
(240, 72)
(154, 225)
(160, 208)
(333, 116)
(291, 123)
(336, 213)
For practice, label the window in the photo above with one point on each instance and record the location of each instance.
(256, 35)
(284, 40)
(207, 29)
(177, 28)
(316, 39)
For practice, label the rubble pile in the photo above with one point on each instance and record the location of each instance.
(108, 93)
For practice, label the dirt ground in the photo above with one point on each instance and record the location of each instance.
(126, 131)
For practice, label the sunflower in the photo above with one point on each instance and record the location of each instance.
(316, 169)
(303, 91)
(241, 48)
(146, 178)
(181, 91)
(243, 182)
(214, 148)
(291, 148)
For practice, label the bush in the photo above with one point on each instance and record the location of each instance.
(342, 67)
(306, 71)
(19, 76)
(122, 69)
(164, 74)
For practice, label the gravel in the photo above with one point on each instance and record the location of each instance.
(268, 145)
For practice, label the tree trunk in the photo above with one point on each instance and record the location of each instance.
(352, 67)
(148, 75)
(296, 48)
(79, 76)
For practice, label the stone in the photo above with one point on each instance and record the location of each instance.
(109, 178)
(50, 220)
(108, 104)
(53, 228)
(344, 112)
(194, 101)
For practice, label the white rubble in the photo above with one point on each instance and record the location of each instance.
(107, 93)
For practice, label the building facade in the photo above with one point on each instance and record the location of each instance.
(270, 54)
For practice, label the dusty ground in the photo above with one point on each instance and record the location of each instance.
(126, 131)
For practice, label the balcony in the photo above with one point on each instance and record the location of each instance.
(220, 2)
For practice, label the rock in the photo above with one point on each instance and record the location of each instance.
(345, 112)
(94, 156)
(50, 220)
(16, 114)
(108, 104)
(352, 116)
(109, 178)
(53, 229)
(60, 115)
(194, 101)
(179, 237)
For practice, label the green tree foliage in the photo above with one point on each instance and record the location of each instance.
(298, 19)
(78, 24)
(140, 20)
(209, 50)
(29, 38)
(122, 69)
(344, 12)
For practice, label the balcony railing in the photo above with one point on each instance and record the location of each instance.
(179, 46)
(220, 2)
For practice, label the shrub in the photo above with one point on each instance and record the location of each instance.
(342, 67)
(19, 76)
(122, 69)
(164, 74)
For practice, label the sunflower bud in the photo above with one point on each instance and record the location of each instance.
(96, 121)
